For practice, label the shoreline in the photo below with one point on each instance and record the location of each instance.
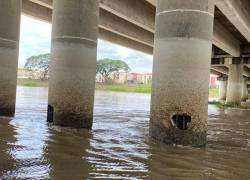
(134, 88)
(131, 88)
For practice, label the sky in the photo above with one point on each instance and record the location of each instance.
(35, 39)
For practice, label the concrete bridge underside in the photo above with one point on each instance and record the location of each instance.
(213, 35)
(127, 24)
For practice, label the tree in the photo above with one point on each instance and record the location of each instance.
(106, 67)
(39, 65)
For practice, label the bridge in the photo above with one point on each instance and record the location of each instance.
(188, 39)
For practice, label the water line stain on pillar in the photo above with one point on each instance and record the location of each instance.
(181, 120)
(50, 113)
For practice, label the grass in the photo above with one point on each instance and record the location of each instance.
(137, 88)
(223, 105)
(32, 82)
(213, 93)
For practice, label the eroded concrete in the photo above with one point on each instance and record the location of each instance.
(73, 62)
(182, 53)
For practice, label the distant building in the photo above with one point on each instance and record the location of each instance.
(147, 78)
(124, 77)
(134, 78)
(120, 78)
(213, 83)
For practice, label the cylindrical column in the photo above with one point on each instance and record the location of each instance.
(10, 11)
(73, 62)
(244, 95)
(234, 87)
(181, 68)
(222, 87)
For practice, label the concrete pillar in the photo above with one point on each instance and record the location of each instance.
(73, 62)
(234, 87)
(181, 68)
(10, 11)
(244, 95)
(222, 87)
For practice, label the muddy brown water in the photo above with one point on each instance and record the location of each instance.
(118, 147)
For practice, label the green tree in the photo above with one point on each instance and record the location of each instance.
(106, 67)
(38, 65)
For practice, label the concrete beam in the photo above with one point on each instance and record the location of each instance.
(214, 72)
(246, 71)
(36, 11)
(221, 65)
(153, 2)
(144, 20)
(124, 28)
(132, 11)
(221, 37)
(45, 3)
(220, 69)
(218, 62)
(123, 41)
(225, 40)
(112, 18)
(133, 36)
(238, 13)
(245, 50)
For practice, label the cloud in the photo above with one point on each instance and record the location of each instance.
(137, 61)
(35, 38)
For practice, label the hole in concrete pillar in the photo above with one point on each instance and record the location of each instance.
(181, 120)
(50, 113)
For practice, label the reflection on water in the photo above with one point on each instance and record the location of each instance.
(118, 147)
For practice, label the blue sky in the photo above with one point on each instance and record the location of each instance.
(35, 39)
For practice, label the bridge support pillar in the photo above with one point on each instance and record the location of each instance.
(244, 95)
(73, 62)
(235, 79)
(10, 11)
(222, 87)
(181, 68)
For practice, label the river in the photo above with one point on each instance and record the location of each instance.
(119, 146)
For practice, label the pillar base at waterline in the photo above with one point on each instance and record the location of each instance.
(177, 137)
(72, 87)
(182, 55)
(7, 111)
(69, 119)
(8, 80)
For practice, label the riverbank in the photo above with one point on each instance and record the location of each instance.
(32, 82)
(245, 105)
(141, 88)
(136, 88)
